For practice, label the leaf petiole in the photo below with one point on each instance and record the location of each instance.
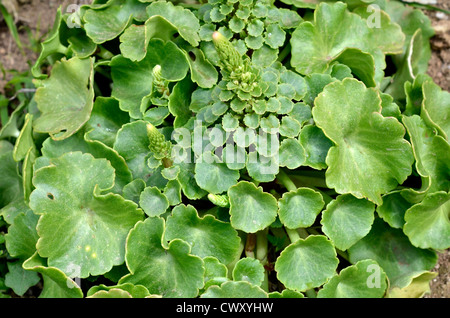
(284, 179)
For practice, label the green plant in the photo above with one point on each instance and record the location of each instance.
(229, 149)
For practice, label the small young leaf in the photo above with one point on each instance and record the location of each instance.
(250, 270)
(214, 176)
(251, 208)
(153, 202)
(347, 219)
(292, 154)
(298, 209)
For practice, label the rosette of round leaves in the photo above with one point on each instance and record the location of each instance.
(247, 98)
(81, 231)
(168, 22)
(255, 24)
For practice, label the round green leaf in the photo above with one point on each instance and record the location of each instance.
(250, 270)
(427, 223)
(300, 208)
(213, 175)
(393, 209)
(292, 154)
(370, 156)
(289, 127)
(336, 34)
(307, 264)
(347, 219)
(153, 202)
(235, 290)
(171, 272)
(275, 36)
(365, 279)
(262, 168)
(205, 235)
(79, 227)
(251, 208)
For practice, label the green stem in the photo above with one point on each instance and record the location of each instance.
(262, 246)
(284, 53)
(284, 179)
(294, 236)
(311, 293)
(343, 254)
(104, 53)
(303, 233)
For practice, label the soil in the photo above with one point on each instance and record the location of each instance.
(35, 17)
